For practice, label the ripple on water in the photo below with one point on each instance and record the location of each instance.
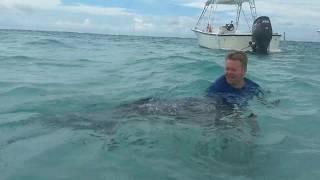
(59, 92)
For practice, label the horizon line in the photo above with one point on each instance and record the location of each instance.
(109, 34)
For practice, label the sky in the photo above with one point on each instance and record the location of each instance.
(299, 19)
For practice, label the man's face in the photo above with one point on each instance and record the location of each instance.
(234, 72)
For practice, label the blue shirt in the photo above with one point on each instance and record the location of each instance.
(230, 95)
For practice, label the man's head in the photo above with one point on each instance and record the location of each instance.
(236, 67)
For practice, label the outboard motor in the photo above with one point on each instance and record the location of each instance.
(261, 35)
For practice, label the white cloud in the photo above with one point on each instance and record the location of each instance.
(165, 26)
(198, 5)
(293, 11)
(40, 4)
(84, 18)
(297, 18)
(140, 25)
(84, 24)
(94, 10)
(56, 5)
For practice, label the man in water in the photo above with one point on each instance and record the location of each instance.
(233, 88)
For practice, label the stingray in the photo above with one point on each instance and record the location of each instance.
(226, 129)
(201, 111)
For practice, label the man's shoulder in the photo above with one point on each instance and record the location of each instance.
(251, 83)
(219, 85)
(221, 80)
(253, 88)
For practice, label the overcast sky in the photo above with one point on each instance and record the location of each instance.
(299, 19)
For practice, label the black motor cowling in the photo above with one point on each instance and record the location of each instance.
(261, 35)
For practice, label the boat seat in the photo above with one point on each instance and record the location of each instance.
(224, 30)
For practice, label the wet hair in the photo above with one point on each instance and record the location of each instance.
(238, 56)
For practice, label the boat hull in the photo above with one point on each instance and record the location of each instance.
(233, 41)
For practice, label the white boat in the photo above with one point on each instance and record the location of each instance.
(229, 37)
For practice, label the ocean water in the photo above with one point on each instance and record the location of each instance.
(71, 108)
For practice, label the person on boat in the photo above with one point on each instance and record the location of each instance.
(233, 88)
(230, 27)
(209, 28)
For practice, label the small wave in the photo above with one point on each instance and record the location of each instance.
(19, 58)
(49, 42)
(203, 84)
(25, 137)
(272, 139)
(16, 119)
(24, 90)
(167, 58)
(59, 65)
(147, 60)
(202, 67)
(171, 40)
(181, 57)
(84, 60)
(8, 84)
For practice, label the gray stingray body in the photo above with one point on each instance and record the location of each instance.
(223, 129)
(186, 107)
(201, 111)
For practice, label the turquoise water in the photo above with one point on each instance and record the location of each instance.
(62, 114)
